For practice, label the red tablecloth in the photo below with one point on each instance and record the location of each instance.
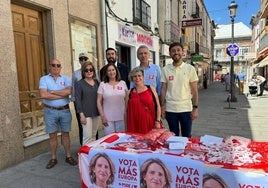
(121, 146)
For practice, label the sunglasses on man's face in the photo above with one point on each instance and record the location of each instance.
(88, 70)
(83, 58)
(56, 65)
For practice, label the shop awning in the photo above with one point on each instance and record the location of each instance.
(255, 65)
(263, 62)
(195, 58)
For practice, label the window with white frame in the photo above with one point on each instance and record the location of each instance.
(83, 39)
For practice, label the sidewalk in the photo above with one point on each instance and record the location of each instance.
(33, 173)
(247, 119)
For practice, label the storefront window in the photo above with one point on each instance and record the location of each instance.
(84, 39)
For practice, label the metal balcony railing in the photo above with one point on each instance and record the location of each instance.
(263, 42)
(203, 49)
(172, 32)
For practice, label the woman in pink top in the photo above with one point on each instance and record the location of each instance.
(111, 100)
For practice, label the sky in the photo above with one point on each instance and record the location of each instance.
(219, 12)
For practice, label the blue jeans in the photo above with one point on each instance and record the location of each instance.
(57, 118)
(180, 120)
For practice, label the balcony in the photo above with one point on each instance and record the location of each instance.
(204, 50)
(263, 42)
(172, 32)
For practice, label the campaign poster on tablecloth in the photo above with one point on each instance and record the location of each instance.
(113, 169)
(161, 170)
(244, 178)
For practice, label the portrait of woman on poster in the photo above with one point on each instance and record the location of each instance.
(154, 174)
(101, 171)
(213, 181)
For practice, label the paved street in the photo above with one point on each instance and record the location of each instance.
(247, 118)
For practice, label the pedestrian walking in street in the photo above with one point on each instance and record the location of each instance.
(179, 95)
(205, 81)
(227, 82)
(86, 102)
(241, 78)
(55, 90)
(261, 81)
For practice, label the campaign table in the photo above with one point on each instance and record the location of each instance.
(239, 162)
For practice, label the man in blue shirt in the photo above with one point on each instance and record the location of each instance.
(55, 90)
(241, 77)
(152, 73)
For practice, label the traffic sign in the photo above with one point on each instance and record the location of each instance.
(232, 49)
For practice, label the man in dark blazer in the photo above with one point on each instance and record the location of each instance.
(111, 57)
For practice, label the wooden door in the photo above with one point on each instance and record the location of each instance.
(28, 36)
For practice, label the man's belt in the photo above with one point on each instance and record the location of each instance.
(57, 108)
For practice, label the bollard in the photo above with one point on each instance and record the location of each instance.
(229, 100)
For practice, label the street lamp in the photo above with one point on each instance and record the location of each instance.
(232, 11)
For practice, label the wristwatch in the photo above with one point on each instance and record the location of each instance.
(195, 106)
(52, 91)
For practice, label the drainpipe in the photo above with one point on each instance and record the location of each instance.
(104, 27)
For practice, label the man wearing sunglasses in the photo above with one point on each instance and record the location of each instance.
(83, 57)
(111, 57)
(55, 90)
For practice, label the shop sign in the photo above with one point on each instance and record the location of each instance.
(126, 34)
(192, 22)
(131, 36)
(184, 10)
(197, 58)
(144, 39)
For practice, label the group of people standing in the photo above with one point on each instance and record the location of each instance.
(241, 80)
(132, 101)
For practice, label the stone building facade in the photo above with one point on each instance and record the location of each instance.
(32, 33)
